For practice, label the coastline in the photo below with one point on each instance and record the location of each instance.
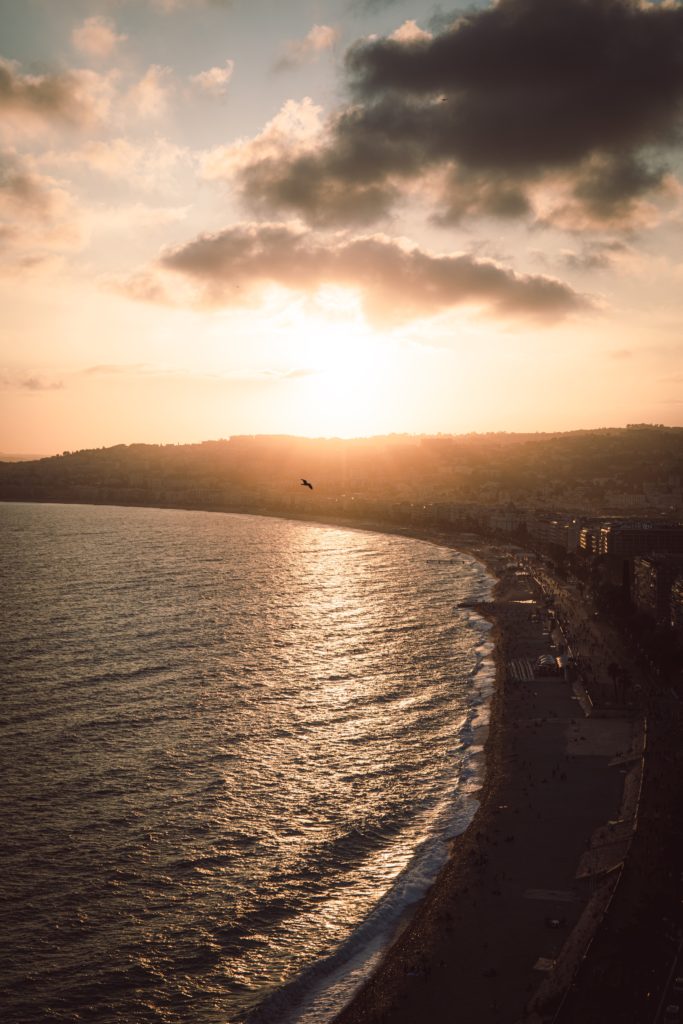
(472, 945)
(479, 945)
(412, 953)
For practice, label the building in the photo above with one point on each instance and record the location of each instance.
(653, 580)
(589, 540)
(506, 520)
(677, 605)
(548, 531)
(627, 539)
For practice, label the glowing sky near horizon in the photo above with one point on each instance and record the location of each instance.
(337, 217)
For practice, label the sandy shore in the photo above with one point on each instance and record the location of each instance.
(500, 933)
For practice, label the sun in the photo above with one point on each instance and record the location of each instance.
(347, 391)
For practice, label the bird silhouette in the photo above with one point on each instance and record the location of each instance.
(305, 483)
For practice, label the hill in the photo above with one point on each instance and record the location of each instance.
(634, 467)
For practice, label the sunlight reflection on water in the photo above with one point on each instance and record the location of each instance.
(230, 740)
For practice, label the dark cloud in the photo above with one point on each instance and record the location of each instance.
(609, 186)
(319, 188)
(441, 21)
(508, 98)
(395, 283)
(465, 194)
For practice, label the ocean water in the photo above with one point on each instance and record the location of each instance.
(234, 750)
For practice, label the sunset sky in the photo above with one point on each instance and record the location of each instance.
(337, 217)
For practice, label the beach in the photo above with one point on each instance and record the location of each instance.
(502, 932)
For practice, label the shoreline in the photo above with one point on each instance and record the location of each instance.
(371, 1001)
(454, 955)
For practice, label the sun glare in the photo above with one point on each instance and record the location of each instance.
(347, 393)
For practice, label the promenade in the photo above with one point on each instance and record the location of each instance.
(501, 933)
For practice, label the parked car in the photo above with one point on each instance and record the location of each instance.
(672, 1014)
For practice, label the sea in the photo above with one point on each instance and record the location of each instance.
(234, 750)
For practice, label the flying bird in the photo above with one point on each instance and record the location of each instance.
(305, 483)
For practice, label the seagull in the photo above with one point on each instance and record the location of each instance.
(305, 483)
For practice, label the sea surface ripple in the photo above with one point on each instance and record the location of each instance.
(234, 749)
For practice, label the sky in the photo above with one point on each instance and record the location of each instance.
(337, 218)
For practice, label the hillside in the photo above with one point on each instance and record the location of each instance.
(639, 466)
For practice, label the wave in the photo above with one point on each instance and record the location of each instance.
(320, 992)
(322, 989)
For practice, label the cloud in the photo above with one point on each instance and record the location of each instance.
(143, 286)
(29, 383)
(287, 166)
(133, 217)
(38, 384)
(301, 51)
(409, 32)
(596, 255)
(37, 214)
(97, 37)
(150, 166)
(148, 98)
(215, 80)
(582, 96)
(73, 98)
(608, 185)
(22, 191)
(294, 129)
(395, 282)
(81, 100)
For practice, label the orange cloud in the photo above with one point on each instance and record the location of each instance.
(396, 283)
(149, 97)
(97, 37)
(37, 215)
(215, 80)
(150, 166)
(301, 51)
